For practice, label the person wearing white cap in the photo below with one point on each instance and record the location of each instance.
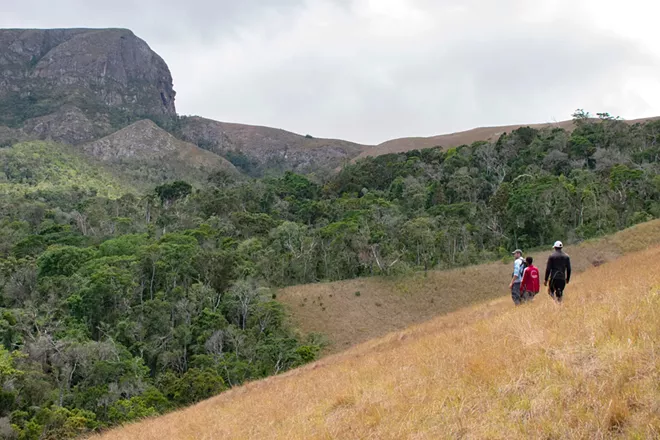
(518, 268)
(558, 272)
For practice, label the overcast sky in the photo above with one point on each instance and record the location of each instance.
(372, 70)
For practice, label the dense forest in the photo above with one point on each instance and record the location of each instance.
(117, 305)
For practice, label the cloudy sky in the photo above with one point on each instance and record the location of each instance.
(372, 70)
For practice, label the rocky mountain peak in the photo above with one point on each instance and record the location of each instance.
(77, 86)
(97, 70)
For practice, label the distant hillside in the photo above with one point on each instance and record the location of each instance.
(150, 154)
(256, 149)
(42, 166)
(134, 159)
(462, 137)
(586, 369)
(353, 311)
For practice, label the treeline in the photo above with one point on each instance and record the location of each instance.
(435, 208)
(113, 309)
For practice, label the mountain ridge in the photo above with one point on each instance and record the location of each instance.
(267, 146)
(105, 68)
(78, 85)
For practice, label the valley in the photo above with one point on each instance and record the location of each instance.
(586, 369)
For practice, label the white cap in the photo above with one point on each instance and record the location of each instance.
(558, 245)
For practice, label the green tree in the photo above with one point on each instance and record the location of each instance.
(171, 192)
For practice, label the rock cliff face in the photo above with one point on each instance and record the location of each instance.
(67, 125)
(116, 67)
(102, 76)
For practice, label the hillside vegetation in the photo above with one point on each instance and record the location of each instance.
(456, 139)
(259, 151)
(586, 369)
(354, 311)
(49, 167)
(116, 306)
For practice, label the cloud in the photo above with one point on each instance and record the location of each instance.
(370, 70)
(164, 21)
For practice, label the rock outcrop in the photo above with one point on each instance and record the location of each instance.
(67, 125)
(74, 85)
(112, 66)
(144, 141)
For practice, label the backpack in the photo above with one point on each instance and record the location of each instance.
(532, 283)
(521, 271)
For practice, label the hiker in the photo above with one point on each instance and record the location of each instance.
(516, 279)
(558, 272)
(531, 281)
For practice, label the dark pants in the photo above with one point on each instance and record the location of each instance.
(557, 287)
(515, 293)
(527, 296)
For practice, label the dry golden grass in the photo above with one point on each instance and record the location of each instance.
(391, 304)
(589, 368)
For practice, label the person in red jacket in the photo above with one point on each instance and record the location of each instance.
(531, 281)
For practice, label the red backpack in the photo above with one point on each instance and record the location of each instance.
(531, 281)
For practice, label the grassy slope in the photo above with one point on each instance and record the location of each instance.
(390, 304)
(587, 369)
(48, 166)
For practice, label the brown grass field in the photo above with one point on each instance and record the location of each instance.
(588, 369)
(391, 304)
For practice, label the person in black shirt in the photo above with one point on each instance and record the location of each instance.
(558, 272)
